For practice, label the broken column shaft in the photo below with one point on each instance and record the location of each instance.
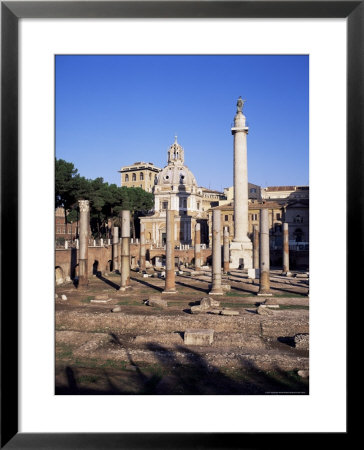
(264, 287)
(142, 247)
(286, 250)
(198, 247)
(255, 247)
(170, 286)
(115, 245)
(216, 253)
(83, 236)
(226, 250)
(125, 250)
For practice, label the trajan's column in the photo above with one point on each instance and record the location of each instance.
(241, 247)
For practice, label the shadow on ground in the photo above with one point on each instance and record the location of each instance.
(178, 371)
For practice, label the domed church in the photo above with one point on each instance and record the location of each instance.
(176, 188)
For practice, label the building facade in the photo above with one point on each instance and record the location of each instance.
(285, 193)
(176, 188)
(275, 214)
(140, 174)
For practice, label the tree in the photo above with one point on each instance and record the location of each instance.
(106, 201)
(66, 180)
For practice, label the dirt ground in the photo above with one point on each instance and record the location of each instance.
(141, 349)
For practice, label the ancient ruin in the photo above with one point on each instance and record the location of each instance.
(191, 305)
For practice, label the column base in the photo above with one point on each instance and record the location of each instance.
(241, 254)
(169, 291)
(124, 288)
(216, 292)
(287, 274)
(264, 294)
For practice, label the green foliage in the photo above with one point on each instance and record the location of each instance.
(106, 200)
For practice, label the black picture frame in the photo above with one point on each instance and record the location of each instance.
(11, 12)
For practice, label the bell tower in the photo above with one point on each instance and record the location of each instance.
(176, 153)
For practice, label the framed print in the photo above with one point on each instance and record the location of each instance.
(44, 44)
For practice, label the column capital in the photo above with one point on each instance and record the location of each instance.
(84, 205)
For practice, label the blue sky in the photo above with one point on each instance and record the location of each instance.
(114, 110)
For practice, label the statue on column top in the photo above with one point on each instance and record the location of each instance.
(240, 104)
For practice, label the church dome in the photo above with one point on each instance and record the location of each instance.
(176, 173)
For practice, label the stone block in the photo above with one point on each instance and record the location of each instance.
(229, 312)
(197, 309)
(116, 309)
(64, 297)
(301, 341)
(253, 273)
(226, 287)
(106, 300)
(156, 300)
(215, 311)
(101, 297)
(303, 373)
(198, 337)
(264, 311)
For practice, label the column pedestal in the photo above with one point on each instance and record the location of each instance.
(241, 254)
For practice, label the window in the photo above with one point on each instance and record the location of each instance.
(298, 219)
(133, 177)
(298, 234)
(150, 176)
(198, 205)
(226, 218)
(126, 177)
(164, 205)
(253, 191)
(141, 176)
(278, 216)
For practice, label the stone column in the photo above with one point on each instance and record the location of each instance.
(264, 287)
(115, 246)
(216, 253)
(226, 250)
(142, 247)
(170, 286)
(198, 247)
(84, 206)
(255, 247)
(125, 250)
(286, 251)
(241, 247)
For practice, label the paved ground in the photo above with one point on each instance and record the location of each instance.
(141, 350)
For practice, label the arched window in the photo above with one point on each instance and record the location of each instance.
(133, 177)
(141, 176)
(126, 177)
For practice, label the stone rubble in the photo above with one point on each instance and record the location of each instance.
(264, 311)
(301, 341)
